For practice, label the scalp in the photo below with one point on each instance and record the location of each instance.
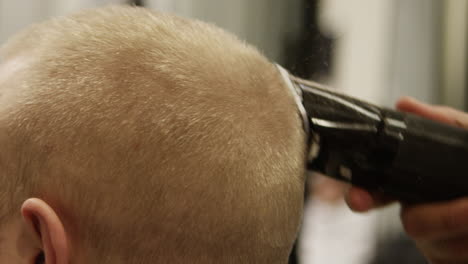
(137, 122)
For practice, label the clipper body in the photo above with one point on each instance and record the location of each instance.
(405, 156)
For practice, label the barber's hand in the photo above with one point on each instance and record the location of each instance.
(440, 230)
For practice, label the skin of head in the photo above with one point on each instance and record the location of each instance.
(132, 136)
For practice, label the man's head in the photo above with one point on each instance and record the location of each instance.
(145, 138)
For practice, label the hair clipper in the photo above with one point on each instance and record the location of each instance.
(402, 155)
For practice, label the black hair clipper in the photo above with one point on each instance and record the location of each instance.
(402, 155)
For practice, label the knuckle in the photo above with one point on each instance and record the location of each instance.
(461, 122)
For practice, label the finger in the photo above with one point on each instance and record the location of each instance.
(442, 114)
(453, 249)
(436, 221)
(360, 200)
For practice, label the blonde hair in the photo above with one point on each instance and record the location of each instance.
(155, 138)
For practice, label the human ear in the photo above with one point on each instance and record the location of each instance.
(49, 229)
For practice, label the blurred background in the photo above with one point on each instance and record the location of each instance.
(376, 50)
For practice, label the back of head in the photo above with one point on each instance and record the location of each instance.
(157, 139)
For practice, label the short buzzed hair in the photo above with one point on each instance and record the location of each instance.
(155, 138)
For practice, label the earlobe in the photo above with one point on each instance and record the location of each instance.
(40, 216)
